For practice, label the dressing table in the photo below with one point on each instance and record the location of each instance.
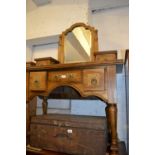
(81, 67)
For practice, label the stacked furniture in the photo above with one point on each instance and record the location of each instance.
(94, 76)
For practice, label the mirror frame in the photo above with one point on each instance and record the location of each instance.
(94, 41)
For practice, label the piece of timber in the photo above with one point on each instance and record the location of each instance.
(74, 65)
(121, 151)
(78, 135)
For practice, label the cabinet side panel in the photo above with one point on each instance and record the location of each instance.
(111, 83)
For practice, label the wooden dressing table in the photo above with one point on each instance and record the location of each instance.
(96, 76)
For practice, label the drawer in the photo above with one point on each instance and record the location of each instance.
(38, 81)
(46, 61)
(93, 79)
(66, 76)
(110, 56)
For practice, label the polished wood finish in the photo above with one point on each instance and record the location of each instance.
(30, 63)
(38, 81)
(111, 111)
(45, 61)
(93, 79)
(65, 76)
(74, 65)
(106, 56)
(94, 40)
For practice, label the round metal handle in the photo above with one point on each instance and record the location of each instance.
(36, 81)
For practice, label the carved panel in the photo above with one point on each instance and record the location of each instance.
(93, 79)
(38, 81)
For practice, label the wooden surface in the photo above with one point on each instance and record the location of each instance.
(88, 79)
(74, 65)
(69, 133)
(38, 81)
(106, 56)
(122, 151)
(46, 61)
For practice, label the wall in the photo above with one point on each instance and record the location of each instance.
(46, 50)
(53, 19)
(29, 52)
(121, 105)
(113, 34)
(113, 28)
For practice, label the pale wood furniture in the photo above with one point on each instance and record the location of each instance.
(94, 78)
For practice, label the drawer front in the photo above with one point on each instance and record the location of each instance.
(68, 140)
(43, 63)
(93, 79)
(66, 76)
(106, 57)
(38, 81)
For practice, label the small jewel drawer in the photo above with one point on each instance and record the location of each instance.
(107, 56)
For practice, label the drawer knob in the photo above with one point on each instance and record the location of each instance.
(36, 81)
(94, 82)
(60, 76)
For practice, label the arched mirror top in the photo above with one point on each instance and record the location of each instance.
(78, 44)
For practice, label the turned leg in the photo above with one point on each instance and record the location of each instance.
(44, 105)
(111, 111)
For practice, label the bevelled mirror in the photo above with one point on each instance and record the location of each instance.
(78, 44)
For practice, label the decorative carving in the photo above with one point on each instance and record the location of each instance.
(94, 79)
(94, 82)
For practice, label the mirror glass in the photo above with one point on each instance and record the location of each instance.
(77, 45)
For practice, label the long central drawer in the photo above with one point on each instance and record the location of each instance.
(65, 76)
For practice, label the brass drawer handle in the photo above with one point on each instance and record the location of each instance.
(60, 76)
(64, 76)
(36, 81)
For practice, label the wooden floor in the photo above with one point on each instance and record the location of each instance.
(122, 151)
